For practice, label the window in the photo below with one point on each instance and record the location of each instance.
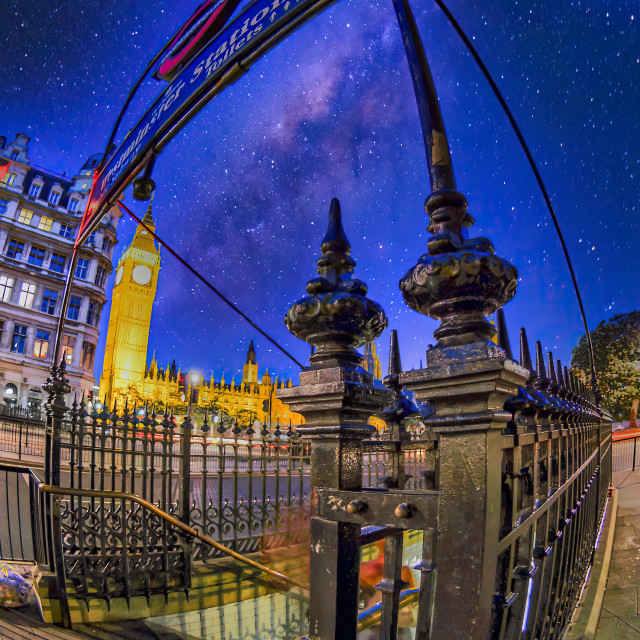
(15, 249)
(35, 189)
(8, 179)
(100, 275)
(41, 345)
(82, 268)
(19, 338)
(57, 263)
(54, 197)
(27, 295)
(73, 205)
(1, 329)
(92, 238)
(67, 232)
(45, 223)
(14, 155)
(74, 308)
(49, 299)
(6, 288)
(25, 216)
(106, 244)
(87, 355)
(85, 185)
(36, 256)
(3, 206)
(68, 344)
(91, 312)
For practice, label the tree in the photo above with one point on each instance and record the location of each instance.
(616, 346)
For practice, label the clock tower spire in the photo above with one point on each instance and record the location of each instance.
(129, 322)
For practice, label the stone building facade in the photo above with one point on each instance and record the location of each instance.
(40, 213)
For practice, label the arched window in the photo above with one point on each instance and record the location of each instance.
(10, 395)
(34, 398)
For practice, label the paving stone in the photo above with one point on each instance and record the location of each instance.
(627, 536)
(606, 628)
(621, 602)
(628, 628)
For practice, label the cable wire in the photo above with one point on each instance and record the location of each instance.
(534, 168)
(202, 279)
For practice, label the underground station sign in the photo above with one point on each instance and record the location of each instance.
(199, 65)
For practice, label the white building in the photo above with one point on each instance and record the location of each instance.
(40, 214)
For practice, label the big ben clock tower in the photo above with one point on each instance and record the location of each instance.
(130, 319)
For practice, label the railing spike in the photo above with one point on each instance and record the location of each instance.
(395, 362)
(561, 380)
(525, 354)
(552, 369)
(540, 368)
(503, 335)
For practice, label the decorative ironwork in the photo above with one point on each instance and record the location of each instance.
(336, 396)
(337, 316)
(250, 493)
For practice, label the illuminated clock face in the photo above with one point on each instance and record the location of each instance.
(141, 274)
(119, 274)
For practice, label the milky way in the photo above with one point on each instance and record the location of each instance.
(243, 192)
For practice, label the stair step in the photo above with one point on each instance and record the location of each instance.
(18, 625)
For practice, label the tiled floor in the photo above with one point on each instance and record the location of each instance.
(620, 618)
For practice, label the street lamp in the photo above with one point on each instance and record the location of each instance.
(194, 379)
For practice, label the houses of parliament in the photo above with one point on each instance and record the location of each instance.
(126, 376)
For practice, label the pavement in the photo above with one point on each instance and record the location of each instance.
(620, 617)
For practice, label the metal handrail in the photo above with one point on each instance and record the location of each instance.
(368, 617)
(94, 493)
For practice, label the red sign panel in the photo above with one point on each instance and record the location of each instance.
(203, 25)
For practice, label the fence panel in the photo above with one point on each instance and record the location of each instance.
(626, 452)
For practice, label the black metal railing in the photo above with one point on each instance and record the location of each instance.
(21, 436)
(626, 452)
(247, 490)
(22, 516)
(29, 413)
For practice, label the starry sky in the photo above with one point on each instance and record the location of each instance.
(244, 190)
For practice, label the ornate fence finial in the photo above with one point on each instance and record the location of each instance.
(458, 281)
(57, 386)
(503, 334)
(540, 368)
(525, 353)
(552, 369)
(561, 380)
(336, 316)
(402, 407)
(395, 362)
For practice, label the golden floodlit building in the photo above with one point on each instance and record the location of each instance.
(125, 375)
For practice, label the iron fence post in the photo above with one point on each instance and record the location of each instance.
(635, 442)
(56, 386)
(336, 396)
(185, 497)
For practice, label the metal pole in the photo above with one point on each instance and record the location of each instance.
(57, 355)
(433, 133)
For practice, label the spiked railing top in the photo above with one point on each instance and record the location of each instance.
(335, 247)
(503, 335)
(525, 354)
(552, 369)
(401, 407)
(540, 368)
(395, 362)
(337, 315)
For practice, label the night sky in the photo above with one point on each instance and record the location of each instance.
(243, 192)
